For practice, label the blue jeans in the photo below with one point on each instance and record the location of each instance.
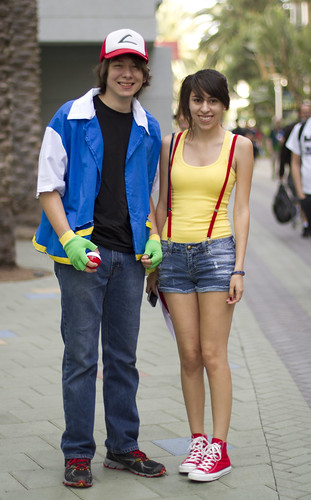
(110, 298)
(197, 267)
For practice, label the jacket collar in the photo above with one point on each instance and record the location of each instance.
(83, 109)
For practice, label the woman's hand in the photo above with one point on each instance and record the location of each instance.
(236, 289)
(152, 281)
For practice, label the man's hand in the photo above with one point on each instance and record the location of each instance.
(75, 247)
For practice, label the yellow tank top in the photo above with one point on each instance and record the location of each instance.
(195, 192)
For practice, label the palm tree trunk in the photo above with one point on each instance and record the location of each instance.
(7, 237)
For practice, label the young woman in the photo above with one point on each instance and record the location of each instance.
(201, 275)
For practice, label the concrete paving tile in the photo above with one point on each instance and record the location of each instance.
(259, 455)
(14, 461)
(245, 423)
(253, 492)
(287, 475)
(178, 413)
(178, 429)
(123, 484)
(32, 479)
(30, 415)
(9, 418)
(52, 438)
(24, 429)
(299, 460)
(290, 493)
(305, 486)
(45, 460)
(247, 439)
(154, 432)
(159, 403)
(245, 396)
(23, 445)
(249, 475)
(286, 444)
(277, 456)
(160, 381)
(59, 492)
(155, 417)
(295, 451)
(303, 469)
(178, 484)
(145, 393)
(9, 484)
(180, 497)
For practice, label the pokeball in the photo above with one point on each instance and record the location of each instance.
(95, 258)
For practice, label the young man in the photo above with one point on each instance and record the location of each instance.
(96, 171)
(301, 167)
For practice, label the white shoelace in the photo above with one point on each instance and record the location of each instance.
(211, 455)
(196, 448)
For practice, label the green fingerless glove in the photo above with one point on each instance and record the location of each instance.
(75, 247)
(154, 250)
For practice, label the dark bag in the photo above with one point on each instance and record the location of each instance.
(283, 207)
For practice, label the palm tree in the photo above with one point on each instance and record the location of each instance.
(253, 40)
(7, 247)
(20, 131)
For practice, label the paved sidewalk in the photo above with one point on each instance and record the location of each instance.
(270, 434)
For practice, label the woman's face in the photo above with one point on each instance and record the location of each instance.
(206, 110)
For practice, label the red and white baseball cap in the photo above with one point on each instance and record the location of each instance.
(123, 41)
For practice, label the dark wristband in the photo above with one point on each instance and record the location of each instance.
(242, 273)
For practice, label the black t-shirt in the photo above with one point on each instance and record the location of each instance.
(112, 227)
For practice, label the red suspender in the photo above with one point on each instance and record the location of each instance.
(169, 204)
(169, 215)
(210, 229)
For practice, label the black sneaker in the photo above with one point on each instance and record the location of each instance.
(306, 233)
(78, 473)
(135, 461)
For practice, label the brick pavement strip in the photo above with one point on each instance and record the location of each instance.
(285, 416)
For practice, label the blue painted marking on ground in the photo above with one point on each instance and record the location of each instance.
(178, 446)
(5, 334)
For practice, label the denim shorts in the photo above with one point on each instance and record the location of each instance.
(197, 267)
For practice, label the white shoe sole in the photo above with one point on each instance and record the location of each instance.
(186, 468)
(198, 475)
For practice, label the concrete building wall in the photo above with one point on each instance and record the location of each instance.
(88, 20)
(71, 33)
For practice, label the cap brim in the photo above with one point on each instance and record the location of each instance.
(120, 52)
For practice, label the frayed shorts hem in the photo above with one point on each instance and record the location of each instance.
(195, 290)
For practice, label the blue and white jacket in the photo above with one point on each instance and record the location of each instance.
(71, 160)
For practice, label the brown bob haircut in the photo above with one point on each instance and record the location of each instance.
(101, 72)
(208, 81)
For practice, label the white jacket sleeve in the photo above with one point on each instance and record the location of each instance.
(52, 164)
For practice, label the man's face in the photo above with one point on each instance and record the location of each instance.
(124, 78)
(305, 111)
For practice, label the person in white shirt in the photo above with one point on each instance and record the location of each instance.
(301, 166)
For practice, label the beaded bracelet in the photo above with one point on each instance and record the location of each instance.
(242, 273)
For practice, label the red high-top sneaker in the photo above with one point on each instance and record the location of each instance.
(215, 463)
(197, 449)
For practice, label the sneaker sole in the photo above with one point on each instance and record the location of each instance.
(112, 464)
(80, 484)
(201, 476)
